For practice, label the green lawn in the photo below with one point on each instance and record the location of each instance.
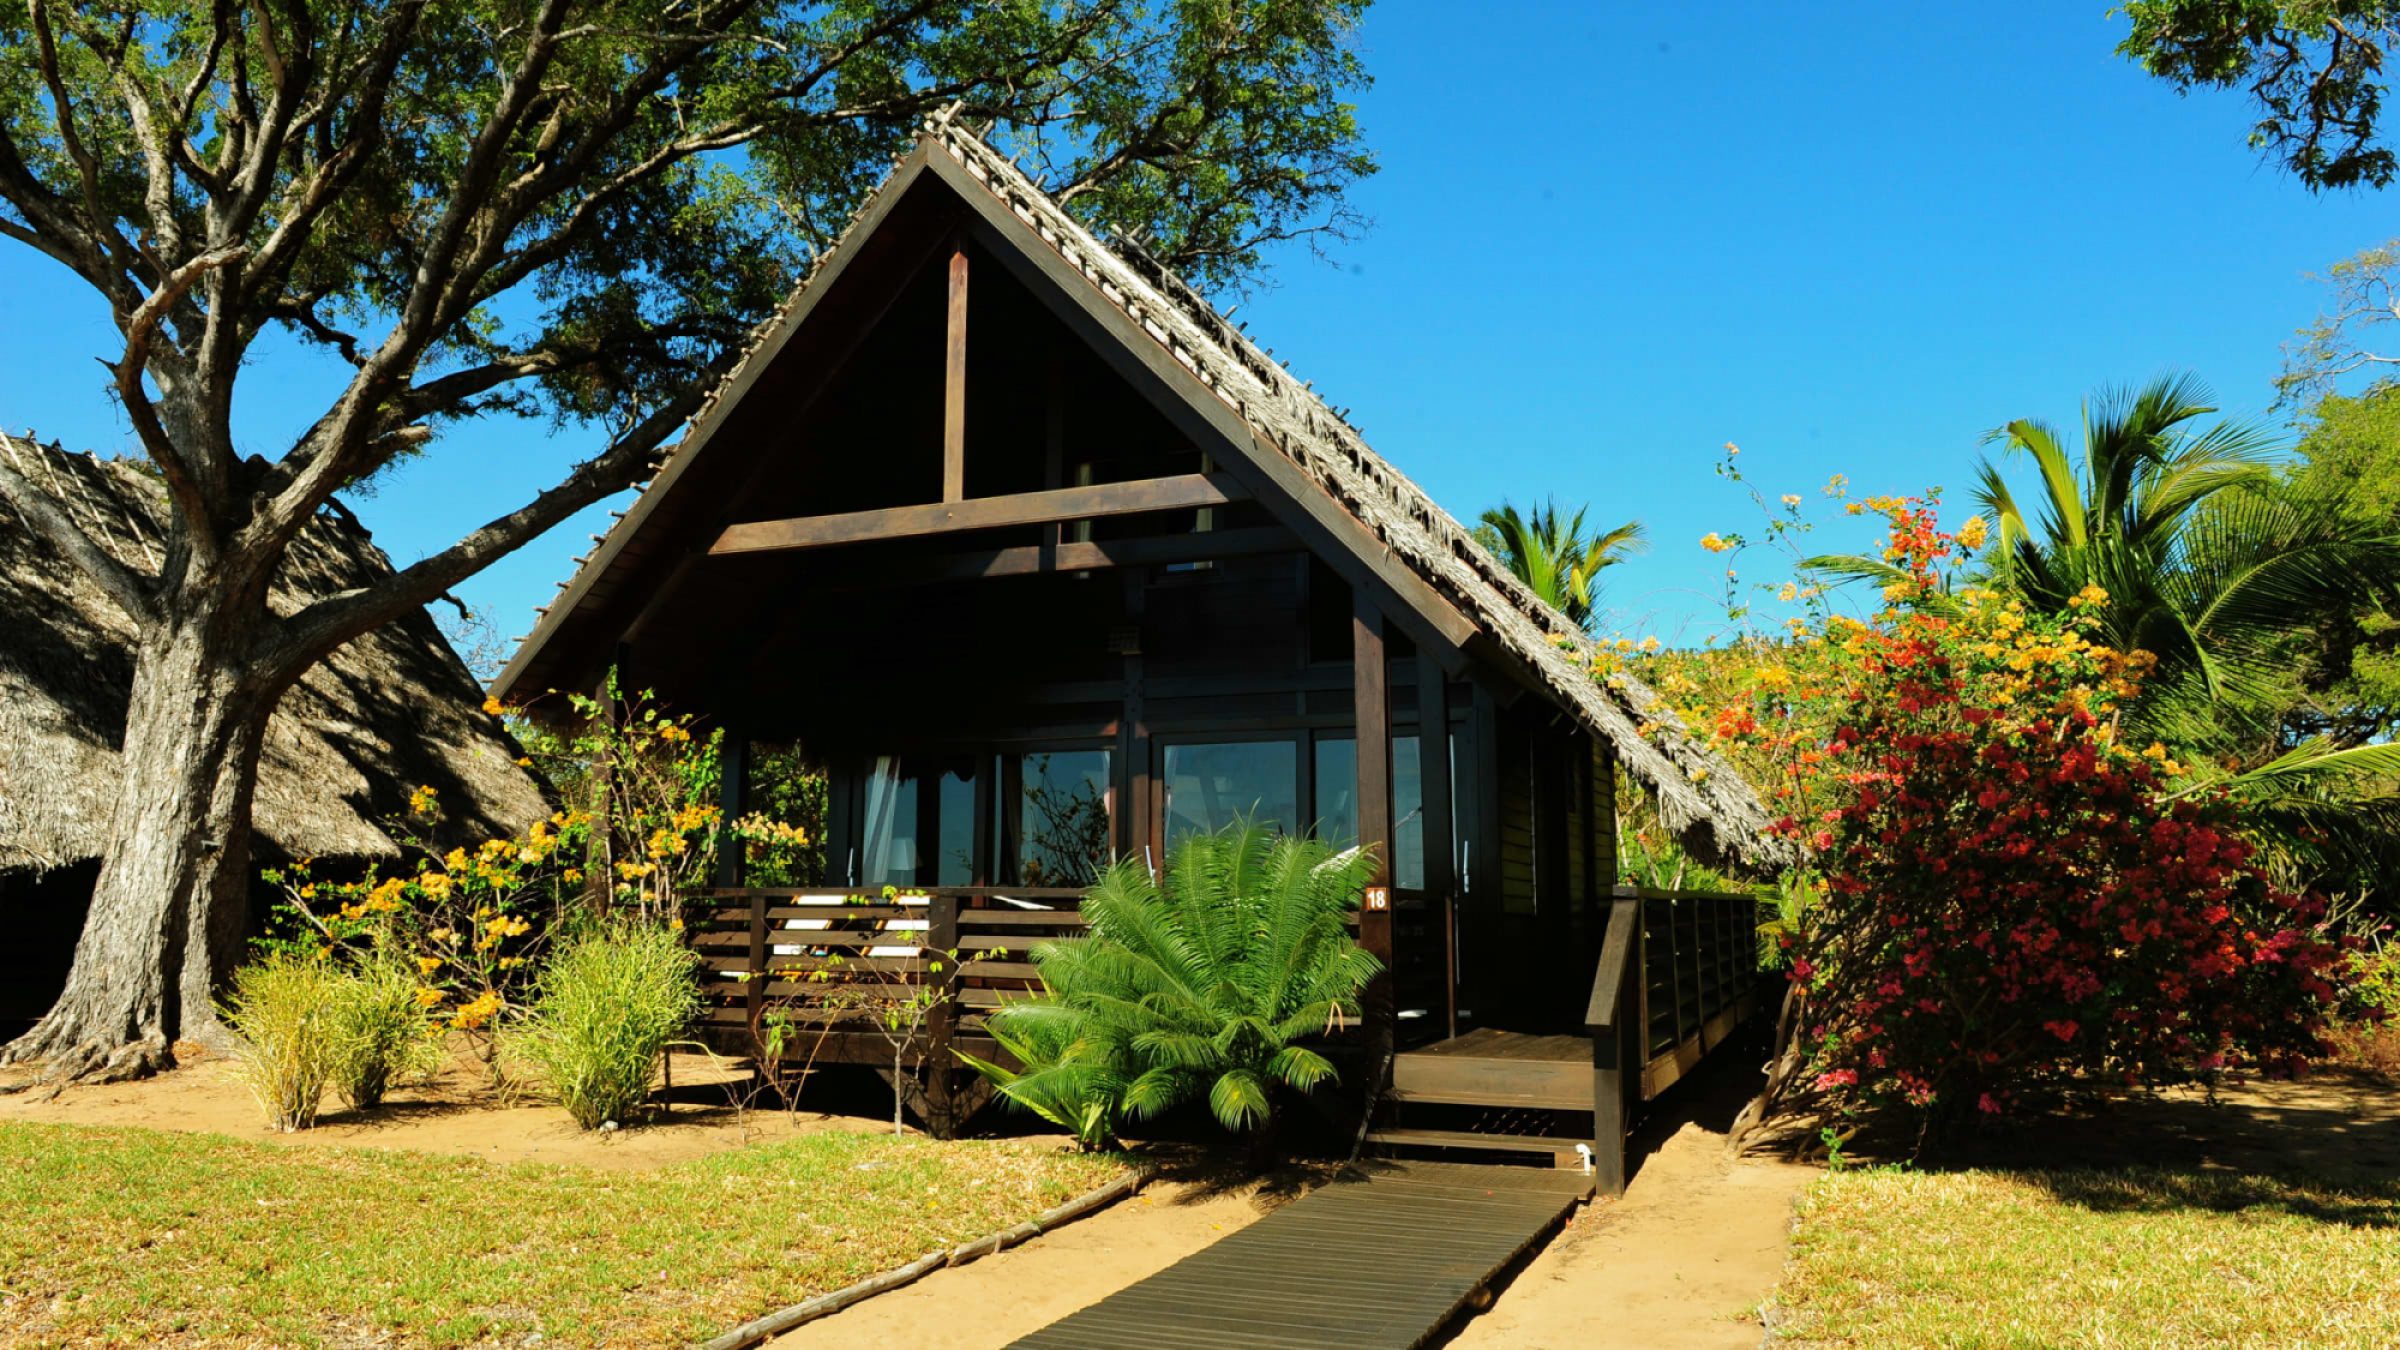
(2138, 1257)
(130, 1236)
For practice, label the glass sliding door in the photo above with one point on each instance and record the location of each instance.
(954, 821)
(1056, 815)
(888, 837)
(1408, 815)
(1335, 781)
(1209, 785)
(1336, 806)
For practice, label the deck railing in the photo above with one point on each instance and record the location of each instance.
(804, 950)
(1678, 972)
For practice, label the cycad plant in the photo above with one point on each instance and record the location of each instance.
(1205, 986)
(1549, 552)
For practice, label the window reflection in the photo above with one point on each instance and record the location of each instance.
(890, 854)
(1210, 786)
(1336, 807)
(1061, 810)
(954, 857)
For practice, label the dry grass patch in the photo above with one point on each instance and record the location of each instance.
(133, 1236)
(2131, 1257)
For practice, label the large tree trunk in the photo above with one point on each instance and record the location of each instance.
(168, 912)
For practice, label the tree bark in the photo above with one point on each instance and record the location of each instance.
(171, 904)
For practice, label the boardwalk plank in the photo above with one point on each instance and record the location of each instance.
(1383, 1258)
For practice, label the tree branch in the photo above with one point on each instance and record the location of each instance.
(328, 623)
(141, 327)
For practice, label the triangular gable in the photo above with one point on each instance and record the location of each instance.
(1309, 467)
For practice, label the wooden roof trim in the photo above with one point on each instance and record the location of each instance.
(765, 346)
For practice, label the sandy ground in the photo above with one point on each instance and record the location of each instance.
(1027, 1288)
(1681, 1262)
(455, 1113)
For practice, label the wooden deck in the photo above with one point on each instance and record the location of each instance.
(1382, 1260)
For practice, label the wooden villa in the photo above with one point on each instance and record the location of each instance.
(1048, 564)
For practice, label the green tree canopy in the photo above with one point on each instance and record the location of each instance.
(2313, 70)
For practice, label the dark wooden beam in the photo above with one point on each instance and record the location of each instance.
(954, 383)
(1137, 812)
(1372, 695)
(1175, 492)
(1040, 559)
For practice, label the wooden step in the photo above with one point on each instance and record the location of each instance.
(1472, 1080)
(1561, 1151)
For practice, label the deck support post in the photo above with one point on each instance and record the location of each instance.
(941, 938)
(1616, 1034)
(733, 763)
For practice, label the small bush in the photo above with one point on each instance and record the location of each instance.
(381, 1035)
(2371, 979)
(281, 1009)
(604, 1011)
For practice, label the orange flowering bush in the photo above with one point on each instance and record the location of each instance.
(465, 921)
(1997, 895)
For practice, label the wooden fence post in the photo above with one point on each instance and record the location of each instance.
(1612, 1031)
(941, 938)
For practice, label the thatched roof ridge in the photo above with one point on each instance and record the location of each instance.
(383, 715)
(1700, 793)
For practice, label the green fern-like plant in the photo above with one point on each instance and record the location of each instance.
(1204, 986)
(1074, 1081)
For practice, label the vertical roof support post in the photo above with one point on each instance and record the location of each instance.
(1372, 694)
(954, 380)
(1372, 698)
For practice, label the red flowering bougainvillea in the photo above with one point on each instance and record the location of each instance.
(1998, 895)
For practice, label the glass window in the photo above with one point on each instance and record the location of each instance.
(954, 857)
(1336, 807)
(1210, 786)
(1062, 817)
(1408, 815)
(889, 857)
(1337, 803)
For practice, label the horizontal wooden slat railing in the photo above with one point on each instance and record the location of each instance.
(1678, 971)
(763, 946)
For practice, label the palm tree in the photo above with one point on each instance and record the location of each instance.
(1550, 553)
(1203, 987)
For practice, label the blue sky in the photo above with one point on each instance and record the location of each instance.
(1609, 240)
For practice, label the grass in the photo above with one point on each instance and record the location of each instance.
(2120, 1258)
(134, 1236)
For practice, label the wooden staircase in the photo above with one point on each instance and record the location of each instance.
(1678, 971)
(1492, 1092)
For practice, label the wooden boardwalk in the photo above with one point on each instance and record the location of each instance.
(1382, 1260)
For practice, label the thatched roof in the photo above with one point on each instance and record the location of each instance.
(1699, 793)
(385, 714)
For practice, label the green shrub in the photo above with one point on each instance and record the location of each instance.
(604, 1011)
(381, 1034)
(1073, 1080)
(281, 1011)
(2373, 977)
(1204, 989)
